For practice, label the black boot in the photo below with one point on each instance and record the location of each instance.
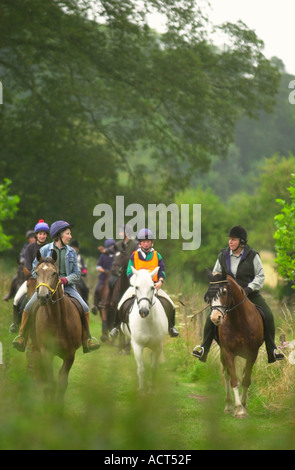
(201, 352)
(13, 327)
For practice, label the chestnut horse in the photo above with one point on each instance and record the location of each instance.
(240, 333)
(57, 328)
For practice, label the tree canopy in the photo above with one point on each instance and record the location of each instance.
(87, 85)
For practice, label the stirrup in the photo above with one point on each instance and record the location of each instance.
(18, 345)
(114, 332)
(198, 351)
(173, 332)
(279, 356)
(91, 347)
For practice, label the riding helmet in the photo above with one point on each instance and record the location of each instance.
(109, 242)
(59, 226)
(145, 234)
(238, 232)
(41, 226)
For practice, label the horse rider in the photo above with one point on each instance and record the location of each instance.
(69, 274)
(104, 264)
(30, 236)
(41, 232)
(242, 263)
(145, 257)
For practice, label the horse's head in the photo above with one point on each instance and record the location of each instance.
(47, 278)
(219, 297)
(144, 289)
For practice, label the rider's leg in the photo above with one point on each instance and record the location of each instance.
(21, 340)
(201, 352)
(169, 308)
(89, 343)
(269, 327)
(20, 293)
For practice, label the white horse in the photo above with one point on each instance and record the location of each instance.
(148, 324)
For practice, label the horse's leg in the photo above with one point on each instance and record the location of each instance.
(155, 356)
(45, 369)
(240, 412)
(229, 403)
(64, 374)
(247, 379)
(138, 353)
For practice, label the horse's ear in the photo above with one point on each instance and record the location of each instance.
(155, 271)
(38, 256)
(54, 255)
(134, 270)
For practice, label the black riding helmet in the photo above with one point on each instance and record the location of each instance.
(239, 232)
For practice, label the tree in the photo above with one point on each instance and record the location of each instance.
(85, 88)
(285, 236)
(8, 208)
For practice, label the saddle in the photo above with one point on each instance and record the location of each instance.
(77, 304)
(126, 309)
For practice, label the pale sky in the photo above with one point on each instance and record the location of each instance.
(272, 20)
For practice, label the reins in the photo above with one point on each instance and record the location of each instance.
(53, 291)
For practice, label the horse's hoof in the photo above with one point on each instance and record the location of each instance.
(240, 413)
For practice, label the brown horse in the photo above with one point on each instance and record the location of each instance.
(240, 333)
(57, 328)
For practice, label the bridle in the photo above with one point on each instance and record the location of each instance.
(53, 291)
(150, 301)
(225, 309)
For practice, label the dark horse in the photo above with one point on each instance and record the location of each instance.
(58, 327)
(114, 287)
(240, 333)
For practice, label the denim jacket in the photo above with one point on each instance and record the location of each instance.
(73, 271)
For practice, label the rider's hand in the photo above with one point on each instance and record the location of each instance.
(158, 284)
(63, 280)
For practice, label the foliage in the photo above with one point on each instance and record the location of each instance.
(215, 225)
(257, 210)
(285, 236)
(86, 84)
(255, 140)
(8, 208)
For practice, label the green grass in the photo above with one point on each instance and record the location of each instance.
(103, 411)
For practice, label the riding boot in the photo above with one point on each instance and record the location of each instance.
(268, 326)
(201, 352)
(171, 325)
(21, 340)
(88, 344)
(13, 326)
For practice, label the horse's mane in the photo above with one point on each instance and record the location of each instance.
(217, 282)
(235, 287)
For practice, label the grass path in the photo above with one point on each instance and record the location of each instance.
(103, 410)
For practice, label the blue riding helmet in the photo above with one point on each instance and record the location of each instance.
(145, 234)
(109, 242)
(41, 226)
(59, 226)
